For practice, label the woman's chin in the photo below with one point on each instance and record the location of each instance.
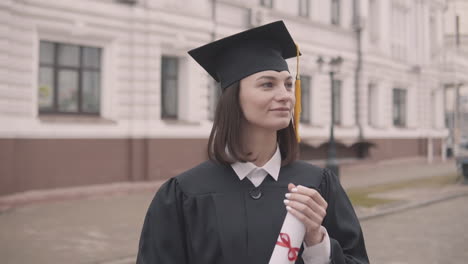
(279, 125)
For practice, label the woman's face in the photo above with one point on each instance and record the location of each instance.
(267, 99)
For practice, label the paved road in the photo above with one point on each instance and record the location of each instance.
(87, 231)
(434, 234)
(106, 229)
(97, 231)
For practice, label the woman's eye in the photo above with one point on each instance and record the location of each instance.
(267, 85)
(289, 85)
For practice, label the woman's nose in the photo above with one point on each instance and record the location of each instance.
(284, 93)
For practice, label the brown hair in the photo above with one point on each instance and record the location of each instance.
(225, 134)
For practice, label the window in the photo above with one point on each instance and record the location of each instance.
(433, 110)
(69, 79)
(169, 87)
(374, 16)
(267, 3)
(399, 18)
(399, 107)
(449, 119)
(372, 104)
(214, 94)
(337, 101)
(449, 106)
(304, 6)
(335, 12)
(305, 98)
(433, 35)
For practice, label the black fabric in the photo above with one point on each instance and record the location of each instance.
(207, 215)
(259, 49)
(342, 224)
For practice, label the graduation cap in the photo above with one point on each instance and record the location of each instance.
(263, 48)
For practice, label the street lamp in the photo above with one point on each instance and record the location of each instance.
(334, 65)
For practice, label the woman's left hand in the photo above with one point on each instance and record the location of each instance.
(310, 208)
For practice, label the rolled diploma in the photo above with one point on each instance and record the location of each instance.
(295, 229)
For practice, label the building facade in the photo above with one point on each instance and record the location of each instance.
(103, 91)
(456, 66)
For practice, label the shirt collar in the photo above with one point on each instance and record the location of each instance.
(273, 166)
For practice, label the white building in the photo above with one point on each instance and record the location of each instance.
(102, 91)
(456, 64)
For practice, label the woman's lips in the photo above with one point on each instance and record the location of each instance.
(280, 109)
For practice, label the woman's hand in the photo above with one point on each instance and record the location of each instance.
(310, 208)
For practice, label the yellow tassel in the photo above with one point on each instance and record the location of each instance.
(297, 106)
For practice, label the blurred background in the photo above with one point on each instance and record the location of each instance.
(100, 103)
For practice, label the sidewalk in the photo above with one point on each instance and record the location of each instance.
(402, 171)
(102, 224)
(368, 174)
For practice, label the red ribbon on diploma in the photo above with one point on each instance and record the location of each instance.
(286, 242)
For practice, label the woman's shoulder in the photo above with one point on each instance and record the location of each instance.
(304, 165)
(206, 177)
(303, 168)
(303, 173)
(203, 170)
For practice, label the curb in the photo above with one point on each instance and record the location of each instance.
(411, 205)
(125, 260)
(353, 164)
(10, 202)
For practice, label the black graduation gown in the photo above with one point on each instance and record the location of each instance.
(208, 216)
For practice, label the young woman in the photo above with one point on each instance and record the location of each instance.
(230, 209)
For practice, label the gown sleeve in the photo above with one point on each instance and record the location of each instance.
(162, 238)
(342, 224)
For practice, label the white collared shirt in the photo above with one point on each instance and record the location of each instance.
(257, 174)
(317, 254)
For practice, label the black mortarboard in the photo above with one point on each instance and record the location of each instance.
(258, 49)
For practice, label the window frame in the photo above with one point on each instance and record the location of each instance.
(56, 68)
(399, 32)
(335, 20)
(374, 21)
(449, 113)
(433, 42)
(307, 9)
(372, 92)
(306, 114)
(399, 114)
(267, 3)
(164, 115)
(214, 94)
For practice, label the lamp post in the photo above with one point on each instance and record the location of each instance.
(334, 66)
